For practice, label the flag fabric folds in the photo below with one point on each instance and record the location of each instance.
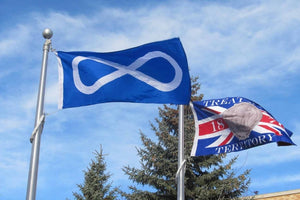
(234, 124)
(152, 73)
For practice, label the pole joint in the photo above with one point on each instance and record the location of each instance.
(47, 45)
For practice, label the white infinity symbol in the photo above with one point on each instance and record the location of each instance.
(131, 69)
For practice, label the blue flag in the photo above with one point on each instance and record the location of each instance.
(234, 124)
(152, 73)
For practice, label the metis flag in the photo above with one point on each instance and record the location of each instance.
(234, 124)
(152, 73)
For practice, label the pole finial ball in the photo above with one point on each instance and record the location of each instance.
(47, 33)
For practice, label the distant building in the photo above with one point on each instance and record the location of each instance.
(286, 195)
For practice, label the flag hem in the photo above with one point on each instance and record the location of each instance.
(60, 83)
(195, 142)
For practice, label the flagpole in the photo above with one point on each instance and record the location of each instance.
(181, 162)
(36, 136)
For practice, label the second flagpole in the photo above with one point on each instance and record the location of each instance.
(181, 162)
(39, 119)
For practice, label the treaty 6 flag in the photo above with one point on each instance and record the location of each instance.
(234, 124)
(152, 73)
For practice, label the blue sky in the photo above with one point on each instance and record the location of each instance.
(237, 48)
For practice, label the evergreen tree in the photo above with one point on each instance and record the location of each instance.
(96, 185)
(206, 177)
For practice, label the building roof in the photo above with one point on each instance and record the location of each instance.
(290, 194)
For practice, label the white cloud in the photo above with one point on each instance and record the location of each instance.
(14, 41)
(13, 169)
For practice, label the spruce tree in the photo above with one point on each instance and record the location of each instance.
(206, 177)
(96, 184)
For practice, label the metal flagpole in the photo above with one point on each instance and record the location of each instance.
(181, 161)
(39, 118)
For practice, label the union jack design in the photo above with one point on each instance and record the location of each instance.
(233, 124)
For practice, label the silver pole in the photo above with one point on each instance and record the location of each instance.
(35, 150)
(180, 182)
